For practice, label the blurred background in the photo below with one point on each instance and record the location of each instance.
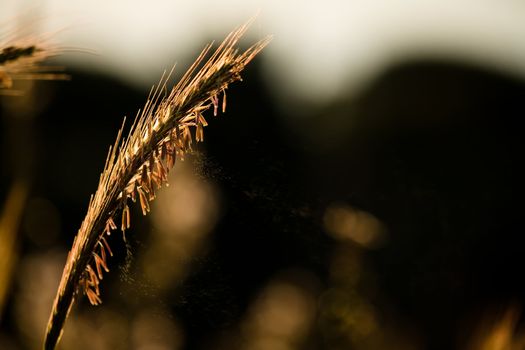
(361, 191)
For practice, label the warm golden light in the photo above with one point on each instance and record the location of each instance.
(183, 215)
(347, 223)
(280, 318)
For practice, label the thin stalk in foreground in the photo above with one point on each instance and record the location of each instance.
(138, 165)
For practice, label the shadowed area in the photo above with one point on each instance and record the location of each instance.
(388, 219)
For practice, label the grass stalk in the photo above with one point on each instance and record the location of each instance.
(138, 165)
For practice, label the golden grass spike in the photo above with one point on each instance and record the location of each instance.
(161, 129)
(20, 60)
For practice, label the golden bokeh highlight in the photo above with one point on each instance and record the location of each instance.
(498, 330)
(37, 278)
(280, 317)
(183, 215)
(151, 330)
(346, 223)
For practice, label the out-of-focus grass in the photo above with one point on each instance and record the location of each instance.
(9, 223)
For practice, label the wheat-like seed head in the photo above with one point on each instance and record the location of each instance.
(20, 59)
(138, 165)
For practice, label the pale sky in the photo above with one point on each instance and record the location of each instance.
(318, 48)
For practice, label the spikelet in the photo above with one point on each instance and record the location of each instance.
(138, 165)
(20, 59)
